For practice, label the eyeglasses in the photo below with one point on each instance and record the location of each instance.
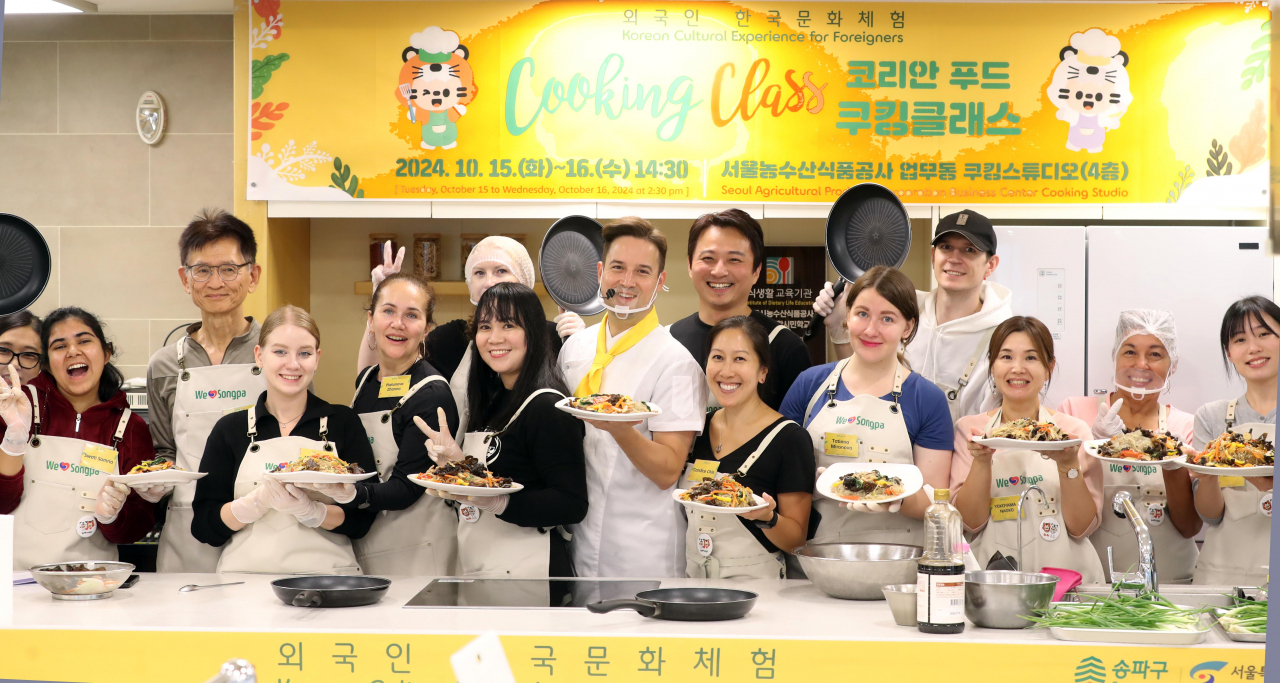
(226, 272)
(27, 360)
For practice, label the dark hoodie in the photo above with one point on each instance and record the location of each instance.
(97, 424)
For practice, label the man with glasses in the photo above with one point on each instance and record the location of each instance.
(209, 372)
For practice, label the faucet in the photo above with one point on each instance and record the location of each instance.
(1044, 500)
(1146, 547)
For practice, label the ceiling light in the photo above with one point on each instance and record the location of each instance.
(48, 6)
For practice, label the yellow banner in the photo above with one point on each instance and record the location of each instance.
(167, 656)
(750, 102)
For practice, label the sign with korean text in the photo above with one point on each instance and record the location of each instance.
(752, 102)
(788, 282)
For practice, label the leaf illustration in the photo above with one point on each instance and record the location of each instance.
(263, 114)
(262, 70)
(1217, 162)
(1260, 59)
(266, 8)
(1249, 146)
(344, 180)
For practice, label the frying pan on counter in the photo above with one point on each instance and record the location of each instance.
(25, 264)
(684, 604)
(567, 262)
(330, 591)
(867, 227)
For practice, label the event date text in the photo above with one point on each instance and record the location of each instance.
(668, 169)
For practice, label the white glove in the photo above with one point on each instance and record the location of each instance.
(251, 507)
(568, 323)
(440, 445)
(153, 494)
(1109, 424)
(340, 493)
(110, 499)
(494, 505)
(388, 267)
(875, 507)
(829, 306)
(291, 500)
(15, 410)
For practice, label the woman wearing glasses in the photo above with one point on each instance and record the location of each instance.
(208, 372)
(20, 344)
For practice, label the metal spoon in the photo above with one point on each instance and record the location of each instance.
(192, 587)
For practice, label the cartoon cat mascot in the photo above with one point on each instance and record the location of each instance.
(436, 84)
(1090, 88)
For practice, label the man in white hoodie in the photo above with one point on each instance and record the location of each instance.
(956, 319)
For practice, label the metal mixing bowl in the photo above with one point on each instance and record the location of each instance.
(902, 603)
(91, 580)
(1000, 599)
(857, 571)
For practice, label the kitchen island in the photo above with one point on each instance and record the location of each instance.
(154, 633)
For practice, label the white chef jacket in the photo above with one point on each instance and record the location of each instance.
(634, 528)
(940, 353)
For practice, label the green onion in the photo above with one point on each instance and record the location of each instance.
(1147, 612)
(1250, 616)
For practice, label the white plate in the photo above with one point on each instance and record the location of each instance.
(716, 509)
(153, 478)
(1259, 471)
(600, 417)
(1091, 447)
(1018, 444)
(318, 477)
(476, 491)
(910, 475)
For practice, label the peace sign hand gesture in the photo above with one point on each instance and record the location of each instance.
(440, 444)
(388, 267)
(15, 410)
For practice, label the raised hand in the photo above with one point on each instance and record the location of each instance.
(388, 267)
(440, 444)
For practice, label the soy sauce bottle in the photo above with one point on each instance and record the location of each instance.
(940, 574)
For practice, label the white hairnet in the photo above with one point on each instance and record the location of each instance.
(504, 250)
(1158, 324)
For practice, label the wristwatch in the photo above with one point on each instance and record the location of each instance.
(1071, 473)
(769, 524)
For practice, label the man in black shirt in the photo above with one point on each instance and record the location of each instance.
(726, 251)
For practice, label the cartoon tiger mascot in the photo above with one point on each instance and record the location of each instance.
(1090, 88)
(436, 84)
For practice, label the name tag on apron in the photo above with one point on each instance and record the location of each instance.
(1004, 508)
(1230, 482)
(100, 458)
(394, 387)
(842, 445)
(703, 469)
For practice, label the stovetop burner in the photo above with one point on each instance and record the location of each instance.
(525, 593)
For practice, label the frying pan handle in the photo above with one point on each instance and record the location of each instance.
(815, 323)
(307, 599)
(646, 609)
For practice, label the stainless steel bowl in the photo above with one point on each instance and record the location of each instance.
(902, 602)
(81, 580)
(1000, 599)
(857, 571)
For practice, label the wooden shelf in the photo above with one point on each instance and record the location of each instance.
(442, 287)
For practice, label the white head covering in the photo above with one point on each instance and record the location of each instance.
(1158, 324)
(504, 250)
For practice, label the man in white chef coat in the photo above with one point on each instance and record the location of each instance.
(633, 528)
(957, 318)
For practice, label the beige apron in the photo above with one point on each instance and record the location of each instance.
(880, 436)
(1175, 554)
(1236, 549)
(1045, 541)
(458, 385)
(420, 540)
(953, 392)
(718, 546)
(488, 546)
(54, 521)
(202, 396)
(278, 543)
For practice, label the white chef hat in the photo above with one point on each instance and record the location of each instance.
(1158, 324)
(504, 250)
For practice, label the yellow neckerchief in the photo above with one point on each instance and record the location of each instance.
(590, 383)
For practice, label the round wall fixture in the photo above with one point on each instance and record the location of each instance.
(151, 118)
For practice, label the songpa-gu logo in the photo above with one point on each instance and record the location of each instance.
(1019, 479)
(230, 394)
(860, 421)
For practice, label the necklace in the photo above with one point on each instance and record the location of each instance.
(288, 422)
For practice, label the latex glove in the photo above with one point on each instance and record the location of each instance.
(875, 507)
(251, 507)
(153, 494)
(828, 305)
(111, 498)
(15, 410)
(494, 505)
(388, 267)
(568, 323)
(440, 445)
(340, 493)
(1109, 424)
(292, 500)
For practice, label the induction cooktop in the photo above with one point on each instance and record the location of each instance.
(524, 593)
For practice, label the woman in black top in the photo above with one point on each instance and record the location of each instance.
(513, 385)
(764, 451)
(269, 527)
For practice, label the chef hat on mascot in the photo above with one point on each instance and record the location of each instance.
(1158, 324)
(500, 250)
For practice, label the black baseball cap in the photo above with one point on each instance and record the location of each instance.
(972, 225)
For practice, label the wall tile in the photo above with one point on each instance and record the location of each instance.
(29, 99)
(194, 78)
(192, 27)
(124, 272)
(188, 173)
(131, 371)
(49, 298)
(74, 179)
(131, 340)
(97, 27)
(160, 328)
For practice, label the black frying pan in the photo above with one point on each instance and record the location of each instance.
(330, 591)
(867, 227)
(25, 264)
(567, 261)
(685, 604)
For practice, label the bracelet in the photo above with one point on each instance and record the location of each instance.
(773, 521)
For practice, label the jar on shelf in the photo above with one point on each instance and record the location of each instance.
(426, 255)
(376, 240)
(469, 241)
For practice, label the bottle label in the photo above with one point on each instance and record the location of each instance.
(940, 598)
